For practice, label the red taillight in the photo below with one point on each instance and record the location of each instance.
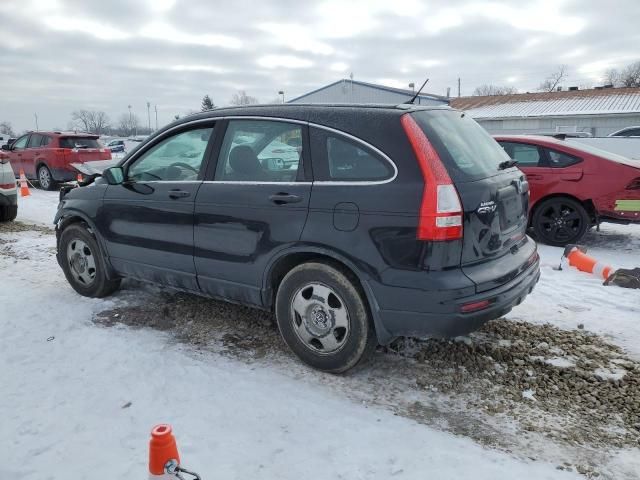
(441, 210)
(7, 186)
(474, 306)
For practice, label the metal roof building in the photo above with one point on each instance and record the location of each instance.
(598, 111)
(353, 91)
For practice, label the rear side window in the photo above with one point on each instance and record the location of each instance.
(34, 141)
(525, 155)
(45, 141)
(350, 161)
(560, 159)
(466, 149)
(339, 158)
(78, 142)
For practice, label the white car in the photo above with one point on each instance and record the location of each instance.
(626, 132)
(8, 190)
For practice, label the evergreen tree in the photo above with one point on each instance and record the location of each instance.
(207, 103)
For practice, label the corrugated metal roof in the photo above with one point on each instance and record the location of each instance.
(581, 102)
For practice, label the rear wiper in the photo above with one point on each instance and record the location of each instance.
(507, 164)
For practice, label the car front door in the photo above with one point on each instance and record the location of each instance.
(29, 156)
(147, 221)
(18, 152)
(253, 206)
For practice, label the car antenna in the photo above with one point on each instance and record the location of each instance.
(413, 99)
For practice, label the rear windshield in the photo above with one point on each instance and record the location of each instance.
(78, 142)
(466, 149)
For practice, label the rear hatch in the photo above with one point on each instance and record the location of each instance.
(494, 197)
(86, 154)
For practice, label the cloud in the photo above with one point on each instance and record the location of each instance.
(57, 56)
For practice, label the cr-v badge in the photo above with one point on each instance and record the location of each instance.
(487, 207)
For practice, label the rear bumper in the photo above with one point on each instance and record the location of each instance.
(449, 321)
(66, 174)
(7, 199)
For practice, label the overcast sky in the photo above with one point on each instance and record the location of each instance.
(57, 56)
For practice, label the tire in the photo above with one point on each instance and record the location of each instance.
(45, 179)
(83, 263)
(8, 213)
(323, 318)
(560, 221)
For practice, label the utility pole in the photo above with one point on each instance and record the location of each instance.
(281, 92)
(36, 115)
(412, 86)
(458, 87)
(130, 120)
(149, 116)
(156, 108)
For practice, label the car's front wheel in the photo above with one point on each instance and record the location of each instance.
(323, 318)
(45, 179)
(83, 263)
(560, 221)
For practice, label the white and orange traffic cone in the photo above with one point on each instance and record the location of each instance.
(24, 188)
(164, 459)
(578, 258)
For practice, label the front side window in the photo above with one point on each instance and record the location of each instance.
(20, 143)
(177, 158)
(260, 151)
(559, 160)
(525, 155)
(350, 161)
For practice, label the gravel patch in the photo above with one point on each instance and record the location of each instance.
(571, 387)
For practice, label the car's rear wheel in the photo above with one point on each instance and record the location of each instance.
(323, 318)
(560, 221)
(8, 213)
(83, 263)
(45, 179)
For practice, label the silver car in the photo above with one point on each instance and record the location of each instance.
(8, 190)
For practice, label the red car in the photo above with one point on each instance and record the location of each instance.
(574, 186)
(51, 157)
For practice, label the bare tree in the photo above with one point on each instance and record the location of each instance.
(485, 90)
(90, 121)
(629, 76)
(7, 129)
(128, 123)
(241, 98)
(554, 80)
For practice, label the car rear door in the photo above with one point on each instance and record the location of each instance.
(532, 161)
(495, 201)
(253, 205)
(147, 221)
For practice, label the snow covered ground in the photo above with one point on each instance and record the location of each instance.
(78, 400)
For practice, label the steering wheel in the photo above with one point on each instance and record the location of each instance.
(185, 165)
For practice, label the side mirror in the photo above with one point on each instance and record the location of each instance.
(114, 175)
(6, 147)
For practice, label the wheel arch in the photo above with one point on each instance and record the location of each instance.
(587, 204)
(70, 217)
(285, 261)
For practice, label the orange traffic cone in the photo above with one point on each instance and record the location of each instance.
(578, 258)
(163, 450)
(24, 188)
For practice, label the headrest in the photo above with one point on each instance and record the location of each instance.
(243, 160)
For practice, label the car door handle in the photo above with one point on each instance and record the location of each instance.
(533, 176)
(179, 193)
(284, 198)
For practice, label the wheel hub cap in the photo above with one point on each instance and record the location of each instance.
(82, 264)
(320, 318)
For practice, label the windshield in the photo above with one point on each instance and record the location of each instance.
(78, 142)
(466, 149)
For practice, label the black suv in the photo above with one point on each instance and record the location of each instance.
(354, 224)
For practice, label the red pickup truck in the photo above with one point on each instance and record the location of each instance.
(51, 157)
